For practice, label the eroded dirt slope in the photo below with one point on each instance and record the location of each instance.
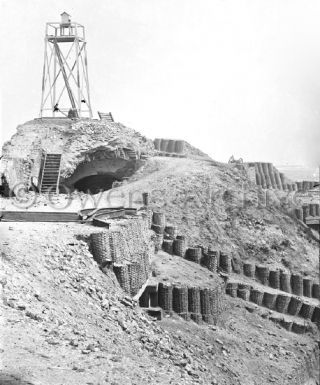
(215, 204)
(65, 322)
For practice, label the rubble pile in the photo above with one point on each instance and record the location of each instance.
(85, 138)
(78, 141)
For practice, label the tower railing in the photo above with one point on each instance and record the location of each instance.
(67, 30)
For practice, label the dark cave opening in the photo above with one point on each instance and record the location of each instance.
(95, 183)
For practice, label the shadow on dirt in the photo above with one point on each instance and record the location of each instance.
(13, 379)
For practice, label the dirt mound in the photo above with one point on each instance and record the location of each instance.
(66, 322)
(216, 204)
(78, 141)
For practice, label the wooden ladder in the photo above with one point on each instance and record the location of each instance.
(50, 173)
(107, 116)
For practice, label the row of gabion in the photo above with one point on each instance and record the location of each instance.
(282, 303)
(290, 325)
(169, 145)
(127, 250)
(168, 239)
(311, 209)
(267, 176)
(196, 303)
(306, 185)
(278, 279)
(212, 259)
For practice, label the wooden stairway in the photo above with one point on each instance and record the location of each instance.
(50, 173)
(106, 116)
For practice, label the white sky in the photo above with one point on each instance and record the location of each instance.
(234, 77)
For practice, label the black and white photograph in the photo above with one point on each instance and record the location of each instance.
(160, 192)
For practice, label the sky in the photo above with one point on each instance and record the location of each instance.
(232, 77)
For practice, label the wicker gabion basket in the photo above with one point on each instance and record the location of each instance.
(100, 244)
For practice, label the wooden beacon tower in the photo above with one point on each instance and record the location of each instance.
(65, 84)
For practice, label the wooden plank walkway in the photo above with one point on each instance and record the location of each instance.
(38, 216)
(85, 215)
